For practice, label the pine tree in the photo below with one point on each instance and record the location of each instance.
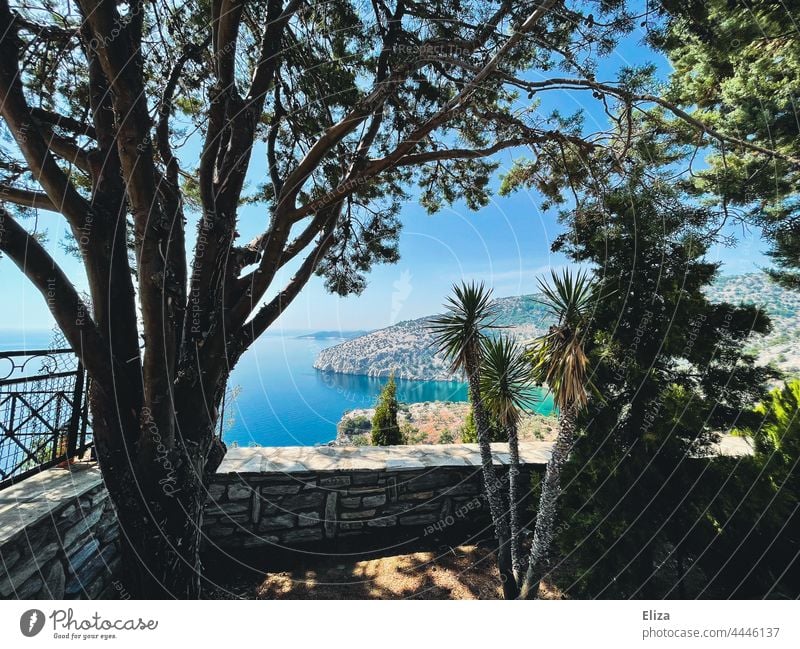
(750, 90)
(670, 375)
(385, 429)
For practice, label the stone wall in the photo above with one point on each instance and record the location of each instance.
(59, 537)
(396, 493)
(253, 511)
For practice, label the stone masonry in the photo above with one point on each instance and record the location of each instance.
(285, 497)
(59, 537)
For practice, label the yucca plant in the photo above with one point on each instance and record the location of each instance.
(506, 389)
(558, 360)
(459, 336)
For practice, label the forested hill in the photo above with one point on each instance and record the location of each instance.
(407, 347)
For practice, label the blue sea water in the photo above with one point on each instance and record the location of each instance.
(282, 400)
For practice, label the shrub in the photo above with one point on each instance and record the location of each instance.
(356, 425)
(411, 434)
(446, 437)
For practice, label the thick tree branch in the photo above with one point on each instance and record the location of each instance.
(47, 32)
(165, 108)
(27, 198)
(268, 60)
(68, 310)
(62, 121)
(222, 199)
(70, 152)
(251, 253)
(26, 132)
(74, 319)
(632, 98)
(465, 154)
(118, 50)
(270, 312)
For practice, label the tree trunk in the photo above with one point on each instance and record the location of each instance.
(161, 544)
(513, 498)
(493, 486)
(158, 495)
(548, 500)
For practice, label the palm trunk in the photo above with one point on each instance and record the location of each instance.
(493, 486)
(513, 497)
(546, 515)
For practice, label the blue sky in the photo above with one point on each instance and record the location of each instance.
(506, 244)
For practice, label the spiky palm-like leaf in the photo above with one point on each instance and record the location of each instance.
(460, 329)
(570, 296)
(558, 358)
(505, 379)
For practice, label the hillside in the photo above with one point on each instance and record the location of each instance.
(779, 347)
(407, 347)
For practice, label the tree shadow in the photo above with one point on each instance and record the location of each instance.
(443, 572)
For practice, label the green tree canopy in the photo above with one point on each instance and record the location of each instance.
(385, 429)
(670, 375)
(736, 67)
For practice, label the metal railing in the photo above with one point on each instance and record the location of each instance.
(43, 411)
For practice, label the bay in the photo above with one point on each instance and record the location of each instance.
(277, 398)
(284, 401)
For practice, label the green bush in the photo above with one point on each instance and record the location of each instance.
(469, 432)
(411, 434)
(356, 425)
(446, 437)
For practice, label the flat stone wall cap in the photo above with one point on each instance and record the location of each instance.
(731, 445)
(26, 503)
(303, 459)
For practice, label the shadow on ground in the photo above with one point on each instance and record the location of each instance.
(463, 572)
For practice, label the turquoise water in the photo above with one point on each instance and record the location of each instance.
(283, 401)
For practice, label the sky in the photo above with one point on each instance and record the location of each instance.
(506, 245)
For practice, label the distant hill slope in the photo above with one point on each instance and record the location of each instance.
(407, 347)
(782, 346)
(333, 334)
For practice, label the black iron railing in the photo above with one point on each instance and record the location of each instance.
(43, 411)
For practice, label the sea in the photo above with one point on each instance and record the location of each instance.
(276, 397)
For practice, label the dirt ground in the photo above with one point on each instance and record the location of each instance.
(464, 572)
